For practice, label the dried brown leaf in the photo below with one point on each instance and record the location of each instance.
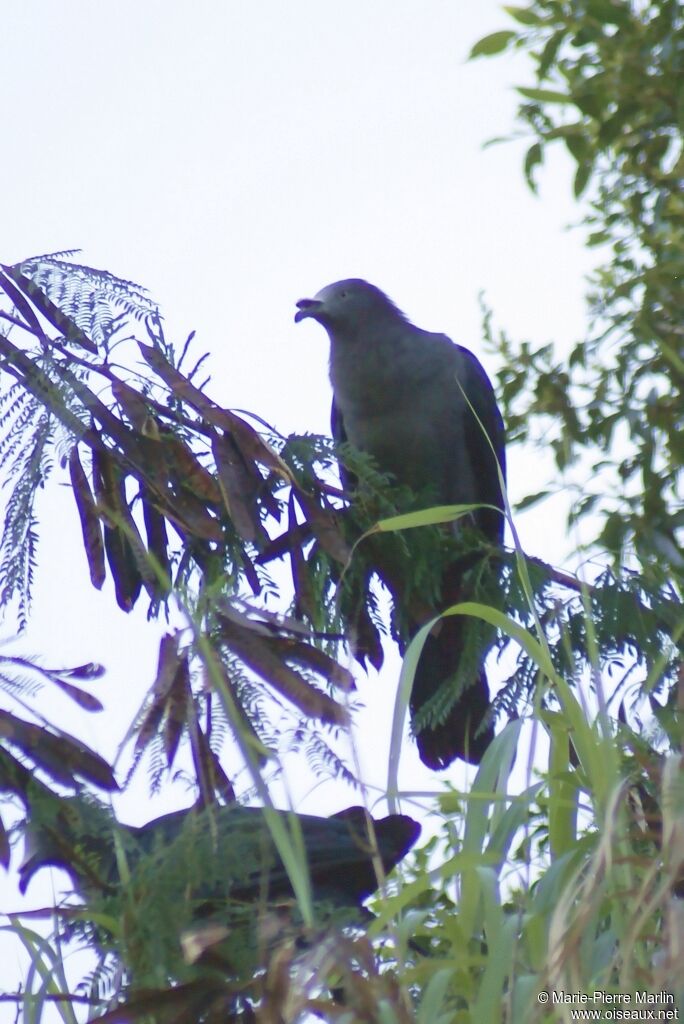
(301, 578)
(172, 1005)
(126, 551)
(169, 662)
(208, 768)
(21, 303)
(39, 384)
(81, 697)
(4, 845)
(249, 441)
(185, 470)
(60, 755)
(238, 487)
(325, 525)
(157, 538)
(91, 670)
(90, 523)
(192, 517)
(367, 643)
(281, 545)
(179, 700)
(257, 654)
(131, 402)
(123, 567)
(315, 659)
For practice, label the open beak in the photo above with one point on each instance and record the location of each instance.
(307, 307)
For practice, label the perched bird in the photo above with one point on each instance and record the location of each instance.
(424, 409)
(208, 889)
(231, 846)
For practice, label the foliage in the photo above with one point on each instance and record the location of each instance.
(204, 892)
(179, 498)
(526, 899)
(569, 882)
(608, 88)
(176, 499)
(46, 748)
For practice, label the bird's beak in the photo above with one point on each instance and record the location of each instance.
(307, 307)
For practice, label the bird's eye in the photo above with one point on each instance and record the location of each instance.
(343, 295)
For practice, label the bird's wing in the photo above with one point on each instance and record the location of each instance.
(337, 429)
(337, 423)
(239, 854)
(483, 440)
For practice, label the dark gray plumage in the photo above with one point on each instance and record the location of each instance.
(233, 843)
(207, 890)
(424, 408)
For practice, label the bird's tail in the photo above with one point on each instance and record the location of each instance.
(450, 728)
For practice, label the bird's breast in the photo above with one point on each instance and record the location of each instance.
(402, 442)
(401, 405)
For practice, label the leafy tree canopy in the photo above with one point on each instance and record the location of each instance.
(609, 88)
(568, 884)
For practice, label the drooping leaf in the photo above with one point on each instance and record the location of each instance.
(208, 769)
(5, 849)
(259, 655)
(178, 708)
(533, 158)
(81, 697)
(238, 488)
(157, 539)
(301, 579)
(169, 666)
(186, 471)
(123, 567)
(495, 42)
(315, 659)
(245, 436)
(129, 567)
(132, 403)
(325, 525)
(90, 522)
(60, 755)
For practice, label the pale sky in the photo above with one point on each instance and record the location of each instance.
(234, 157)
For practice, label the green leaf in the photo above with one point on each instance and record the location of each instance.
(425, 517)
(563, 795)
(533, 158)
(548, 54)
(496, 42)
(598, 238)
(579, 148)
(524, 15)
(562, 131)
(434, 996)
(581, 179)
(504, 830)
(544, 95)
(531, 499)
(501, 947)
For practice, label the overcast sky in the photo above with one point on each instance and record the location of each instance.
(235, 157)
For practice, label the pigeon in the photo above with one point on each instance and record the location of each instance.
(424, 409)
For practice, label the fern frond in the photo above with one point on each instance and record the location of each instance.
(96, 300)
(30, 468)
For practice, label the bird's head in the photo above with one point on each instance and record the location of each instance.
(346, 304)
